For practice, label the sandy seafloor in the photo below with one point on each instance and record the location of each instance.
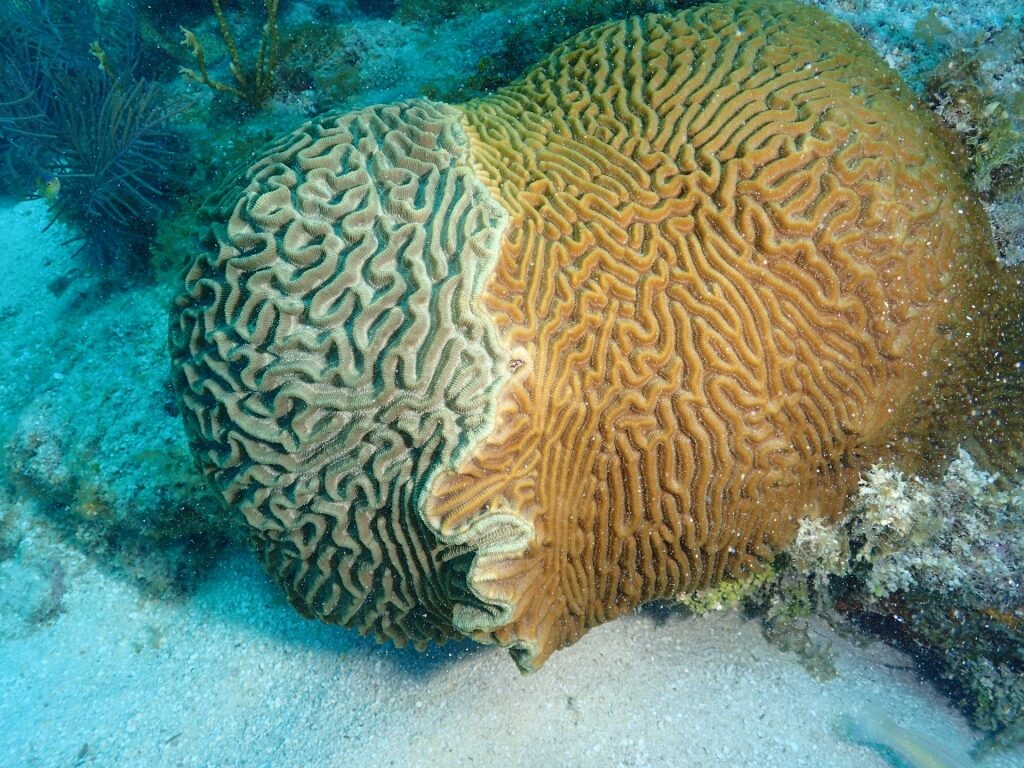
(233, 677)
(94, 671)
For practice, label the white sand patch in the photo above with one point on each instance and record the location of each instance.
(233, 677)
(40, 289)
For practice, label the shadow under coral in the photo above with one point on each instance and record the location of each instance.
(237, 592)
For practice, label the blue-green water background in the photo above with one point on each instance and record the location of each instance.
(133, 631)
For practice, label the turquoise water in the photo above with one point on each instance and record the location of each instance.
(138, 628)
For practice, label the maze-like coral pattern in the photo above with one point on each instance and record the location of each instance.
(735, 244)
(331, 356)
(513, 368)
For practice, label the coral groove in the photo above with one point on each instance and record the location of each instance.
(510, 369)
(331, 357)
(729, 250)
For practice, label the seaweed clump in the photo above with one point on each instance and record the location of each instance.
(933, 565)
(978, 91)
(84, 129)
(960, 96)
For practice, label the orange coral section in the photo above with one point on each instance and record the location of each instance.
(737, 249)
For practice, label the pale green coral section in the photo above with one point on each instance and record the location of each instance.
(346, 271)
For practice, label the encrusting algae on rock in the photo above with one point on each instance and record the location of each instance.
(511, 368)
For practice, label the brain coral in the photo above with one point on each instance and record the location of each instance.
(509, 369)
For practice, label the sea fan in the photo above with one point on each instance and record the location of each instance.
(76, 113)
(116, 164)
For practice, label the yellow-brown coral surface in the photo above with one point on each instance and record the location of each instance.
(510, 369)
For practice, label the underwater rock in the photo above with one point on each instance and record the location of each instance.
(511, 368)
(120, 485)
(89, 428)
